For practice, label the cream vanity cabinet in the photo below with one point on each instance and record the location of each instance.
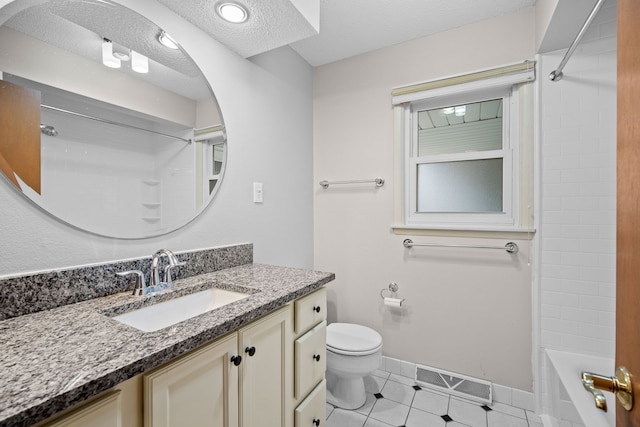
(269, 373)
(102, 412)
(240, 380)
(117, 407)
(310, 337)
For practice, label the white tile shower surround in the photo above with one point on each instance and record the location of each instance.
(395, 400)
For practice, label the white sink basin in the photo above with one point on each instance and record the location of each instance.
(167, 313)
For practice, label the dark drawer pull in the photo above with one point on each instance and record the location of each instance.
(316, 357)
(316, 308)
(251, 350)
(316, 422)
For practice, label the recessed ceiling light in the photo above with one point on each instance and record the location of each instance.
(167, 40)
(232, 12)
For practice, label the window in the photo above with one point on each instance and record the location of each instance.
(466, 152)
(210, 161)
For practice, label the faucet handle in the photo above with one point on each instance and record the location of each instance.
(167, 271)
(139, 284)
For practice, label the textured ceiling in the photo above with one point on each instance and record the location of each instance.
(347, 27)
(80, 26)
(271, 23)
(352, 27)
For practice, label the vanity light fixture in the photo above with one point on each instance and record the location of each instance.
(167, 41)
(448, 110)
(113, 59)
(232, 12)
(139, 62)
(107, 54)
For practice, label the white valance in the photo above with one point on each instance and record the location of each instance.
(487, 79)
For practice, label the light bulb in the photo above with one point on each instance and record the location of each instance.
(107, 55)
(461, 110)
(448, 110)
(139, 62)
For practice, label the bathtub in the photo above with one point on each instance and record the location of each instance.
(567, 397)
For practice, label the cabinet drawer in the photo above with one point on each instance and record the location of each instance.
(312, 411)
(310, 359)
(310, 310)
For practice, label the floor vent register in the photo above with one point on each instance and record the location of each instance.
(454, 384)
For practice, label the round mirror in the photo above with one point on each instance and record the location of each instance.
(105, 122)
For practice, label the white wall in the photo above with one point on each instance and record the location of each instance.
(267, 108)
(578, 118)
(466, 310)
(578, 193)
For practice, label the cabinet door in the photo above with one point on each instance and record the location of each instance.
(200, 389)
(266, 369)
(103, 412)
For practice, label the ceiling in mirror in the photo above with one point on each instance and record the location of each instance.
(114, 152)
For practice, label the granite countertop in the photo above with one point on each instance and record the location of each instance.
(54, 359)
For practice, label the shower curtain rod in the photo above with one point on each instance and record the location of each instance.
(557, 73)
(73, 113)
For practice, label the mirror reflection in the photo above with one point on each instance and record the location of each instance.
(105, 127)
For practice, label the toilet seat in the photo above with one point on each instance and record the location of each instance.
(352, 340)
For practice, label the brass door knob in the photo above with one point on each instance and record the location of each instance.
(620, 385)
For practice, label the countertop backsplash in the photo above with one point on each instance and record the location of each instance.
(31, 293)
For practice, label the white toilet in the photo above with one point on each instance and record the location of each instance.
(353, 352)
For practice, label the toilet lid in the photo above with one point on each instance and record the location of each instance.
(349, 338)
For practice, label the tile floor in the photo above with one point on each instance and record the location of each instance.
(394, 400)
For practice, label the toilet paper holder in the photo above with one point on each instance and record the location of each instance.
(391, 293)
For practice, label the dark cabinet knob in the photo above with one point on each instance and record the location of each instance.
(316, 309)
(251, 350)
(316, 422)
(316, 357)
(236, 360)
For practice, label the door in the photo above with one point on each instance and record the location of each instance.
(20, 121)
(265, 372)
(628, 221)
(200, 389)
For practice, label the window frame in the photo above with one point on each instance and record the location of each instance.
(514, 80)
(508, 153)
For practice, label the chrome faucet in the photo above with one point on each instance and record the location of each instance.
(139, 285)
(173, 262)
(141, 288)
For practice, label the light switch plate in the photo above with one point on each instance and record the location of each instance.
(257, 192)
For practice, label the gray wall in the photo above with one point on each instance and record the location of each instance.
(267, 107)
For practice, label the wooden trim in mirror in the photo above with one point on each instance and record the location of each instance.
(20, 134)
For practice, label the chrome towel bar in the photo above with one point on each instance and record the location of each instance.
(378, 181)
(510, 247)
